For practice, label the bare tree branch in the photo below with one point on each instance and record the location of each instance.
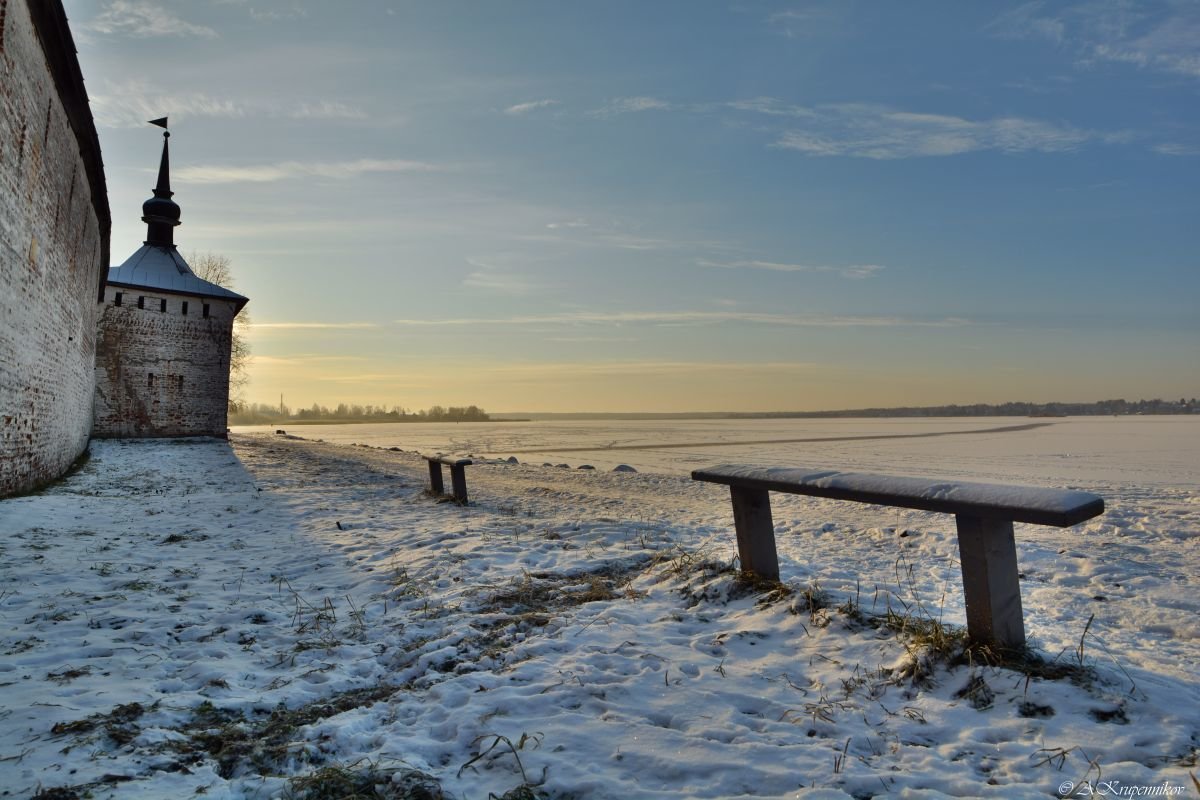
(217, 268)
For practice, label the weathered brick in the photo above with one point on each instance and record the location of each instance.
(162, 373)
(53, 247)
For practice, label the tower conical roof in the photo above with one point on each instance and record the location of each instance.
(158, 264)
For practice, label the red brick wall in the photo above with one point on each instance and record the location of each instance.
(162, 373)
(53, 249)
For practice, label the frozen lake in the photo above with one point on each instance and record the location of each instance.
(1096, 452)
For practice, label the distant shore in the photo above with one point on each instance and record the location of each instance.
(1103, 408)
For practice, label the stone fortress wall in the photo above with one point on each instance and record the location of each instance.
(162, 369)
(54, 240)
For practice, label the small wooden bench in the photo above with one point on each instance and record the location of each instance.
(984, 514)
(458, 476)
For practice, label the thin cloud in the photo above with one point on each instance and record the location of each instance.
(877, 132)
(863, 130)
(287, 170)
(642, 368)
(1146, 38)
(626, 241)
(490, 278)
(631, 105)
(525, 108)
(1177, 149)
(856, 271)
(770, 106)
(689, 318)
(370, 377)
(277, 15)
(326, 110)
(1170, 47)
(521, 371)
(1052, 84)
(143, 20)
(299, 360)
(582, 234)
(591, 339)
(313, 325)
(130, 103)
(811, 21)
(1028, 21)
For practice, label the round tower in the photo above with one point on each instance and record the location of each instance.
(164, 336)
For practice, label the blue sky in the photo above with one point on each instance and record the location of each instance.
(669, 206)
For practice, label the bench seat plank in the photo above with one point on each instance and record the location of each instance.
(450, 461)
(1036, 505)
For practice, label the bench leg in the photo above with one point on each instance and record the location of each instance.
(755, 531)
(435, 478)
(988, 553)
(458, 480)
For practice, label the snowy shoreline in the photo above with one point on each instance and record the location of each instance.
(579, 631)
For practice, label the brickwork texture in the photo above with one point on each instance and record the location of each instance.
(54, 231)
(160, 371)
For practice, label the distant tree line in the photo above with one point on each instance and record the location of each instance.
(264, 414)
(1102, 408)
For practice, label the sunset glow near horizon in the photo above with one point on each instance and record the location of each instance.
(675, 206)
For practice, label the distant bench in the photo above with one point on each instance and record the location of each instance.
(984, 514)
(458, 476)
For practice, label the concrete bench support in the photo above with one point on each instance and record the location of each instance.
(984, 515)
(458, 476)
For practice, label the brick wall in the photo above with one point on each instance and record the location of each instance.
(54, 230)
(162, 372)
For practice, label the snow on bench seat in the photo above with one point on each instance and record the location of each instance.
(1057, 507)
(984, 515)
(458, 475)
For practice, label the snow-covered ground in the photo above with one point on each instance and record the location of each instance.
(202, 618)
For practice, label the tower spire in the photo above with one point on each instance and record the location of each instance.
(161, 213)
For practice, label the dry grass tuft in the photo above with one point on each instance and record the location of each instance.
(364, 781)
(263, 745)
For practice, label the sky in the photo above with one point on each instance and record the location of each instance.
(675, 206)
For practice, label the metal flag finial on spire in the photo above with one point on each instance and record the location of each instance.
(160, 212)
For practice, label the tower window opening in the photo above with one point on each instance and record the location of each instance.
(162, 307)
(150, 381)
(117, 299)
(141, 301)
(206, 310)
(184, 307)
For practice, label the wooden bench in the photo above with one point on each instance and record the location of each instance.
(458, 476)
(984, 514)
